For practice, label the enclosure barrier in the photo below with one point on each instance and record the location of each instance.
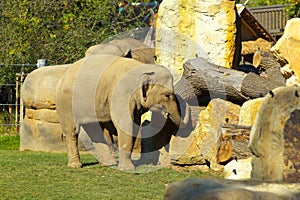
(12, 108)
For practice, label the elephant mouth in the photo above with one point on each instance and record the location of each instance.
(160, 109)
(159, 113)
(159, 116)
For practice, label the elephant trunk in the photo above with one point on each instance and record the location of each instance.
(187, 117)
(182, 117)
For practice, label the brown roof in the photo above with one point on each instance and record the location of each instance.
(249, 20)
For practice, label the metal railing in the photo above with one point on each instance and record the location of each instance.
(12, 108)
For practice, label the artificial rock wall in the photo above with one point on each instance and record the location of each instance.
(40, 130)
(199, 28)
(287, 51)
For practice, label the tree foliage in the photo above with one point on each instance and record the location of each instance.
(58, 31)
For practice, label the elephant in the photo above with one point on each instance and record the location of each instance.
(127, 47)
(106, 95)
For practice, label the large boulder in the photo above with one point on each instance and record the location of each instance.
(213, 146)
(38, 90)
(40, 135)
(287, 49)
(222, 189)
(249, 111)
(40, 130)
(185, 30)
(251, 46)
(238, 169)
(205, 143)
(275, 137)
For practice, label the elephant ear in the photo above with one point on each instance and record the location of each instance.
(146, 80)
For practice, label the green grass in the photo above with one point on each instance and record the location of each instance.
(9, 142)
(37, 175)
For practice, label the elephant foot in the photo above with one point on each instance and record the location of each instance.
(108, 162)
(128, 166)
(75, 164)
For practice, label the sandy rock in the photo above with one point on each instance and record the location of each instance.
(238, 169)
(188, 30)
(222, 189)
(38, 90)
(40, 130)
(37, 135)
(217, 113)
(41, 135)
(184, 149)
(287, 49)
(46, 115)
(286, 71)
(293, 81)
(205, 141)
(275, 136)
(249, 47)
(249, 111)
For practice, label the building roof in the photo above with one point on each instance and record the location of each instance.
(252, 24)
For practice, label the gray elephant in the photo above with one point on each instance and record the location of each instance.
(127, 47)
(108, 94)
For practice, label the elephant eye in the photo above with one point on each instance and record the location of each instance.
(167, 95)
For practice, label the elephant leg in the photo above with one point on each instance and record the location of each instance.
(110, 135)
(126, 144)
(73, 152)
(106, 154)
(99, 135)
(125, 150)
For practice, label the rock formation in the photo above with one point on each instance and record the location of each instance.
(40, 130)
(238, 169)
(198, 29)
(204, 143)
(220, 189)
(287, 49)
(249, 47)
(249, 111)
(275, 137)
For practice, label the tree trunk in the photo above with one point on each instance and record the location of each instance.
(202, 78)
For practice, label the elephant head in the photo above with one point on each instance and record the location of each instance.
(157, 95)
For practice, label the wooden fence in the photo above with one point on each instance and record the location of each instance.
(273, 18)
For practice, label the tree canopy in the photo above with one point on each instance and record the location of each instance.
(61, 31)
(58, 31)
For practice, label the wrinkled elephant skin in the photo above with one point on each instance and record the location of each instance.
(115, 92)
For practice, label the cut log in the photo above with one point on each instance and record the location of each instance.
(268, 61)
(236, 139)
(202, 78)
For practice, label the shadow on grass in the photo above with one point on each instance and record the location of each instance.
(90, 164)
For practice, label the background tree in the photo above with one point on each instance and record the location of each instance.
(58, 31)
